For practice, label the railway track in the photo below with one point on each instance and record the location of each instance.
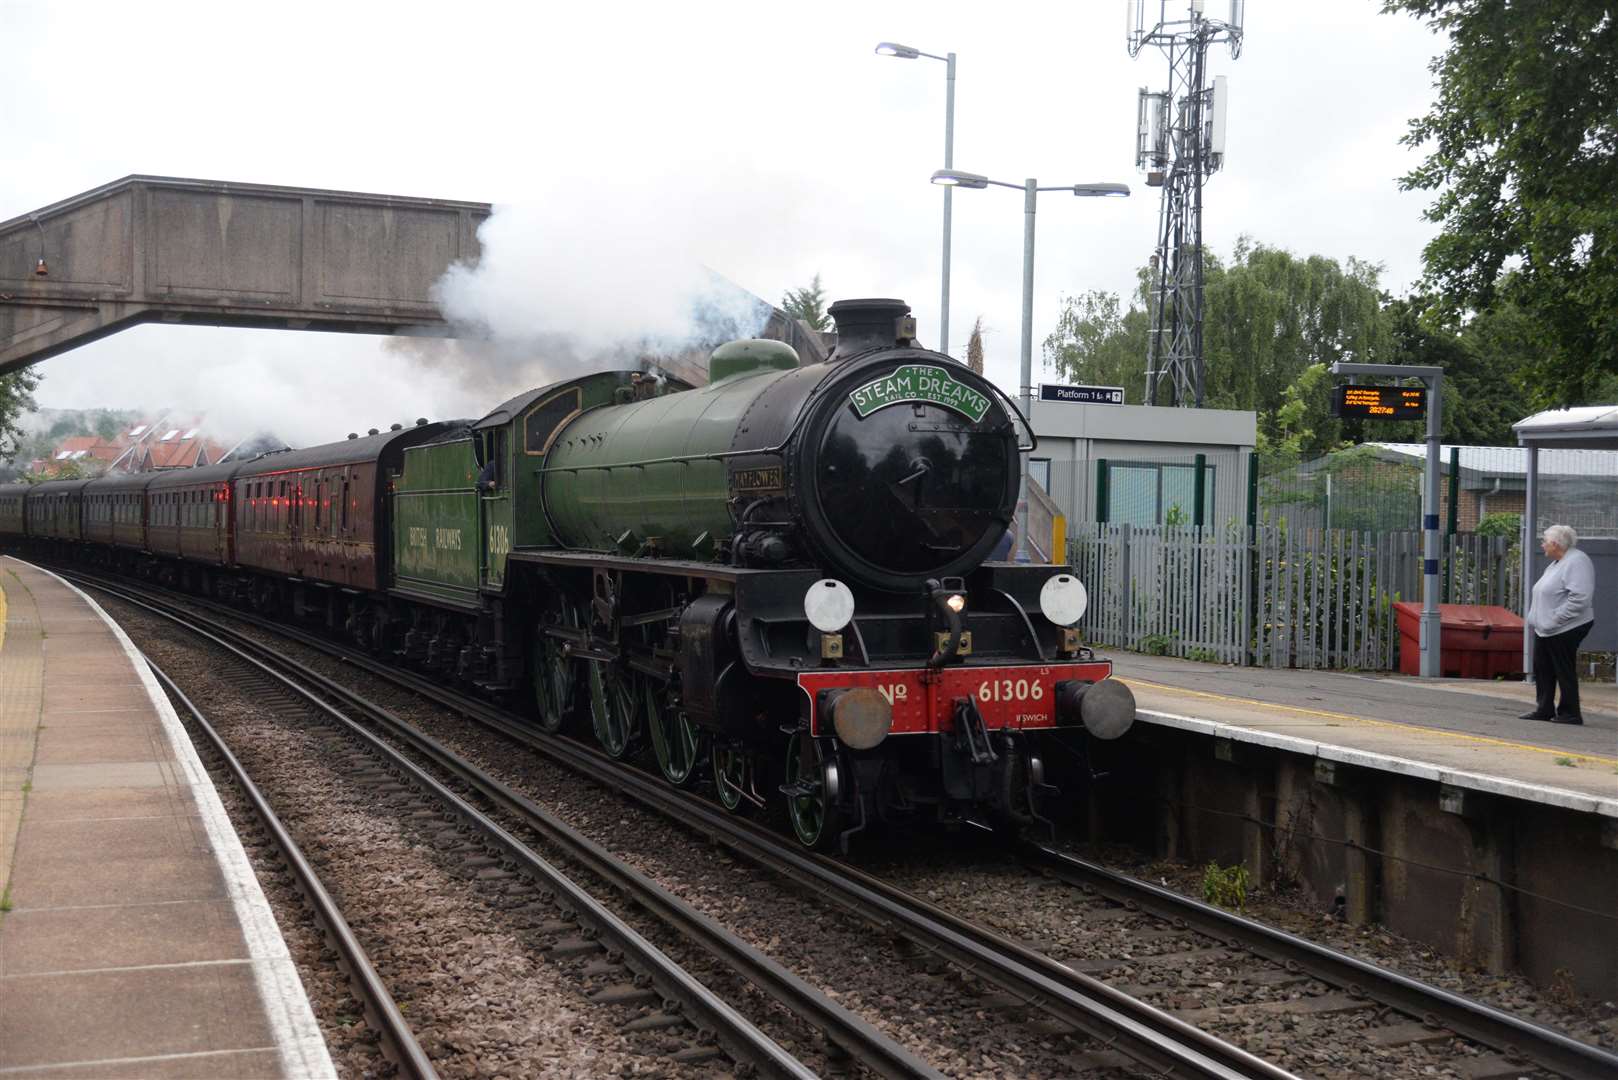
(1428, 1008)
(381, 1011)
(1028, 978)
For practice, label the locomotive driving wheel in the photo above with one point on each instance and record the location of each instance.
(731, 775)
(554, 675)
(676, 741)
(615, 709)
(812, 782)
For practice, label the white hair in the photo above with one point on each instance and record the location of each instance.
(1562, 536)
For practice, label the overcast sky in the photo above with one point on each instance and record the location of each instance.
(625, 143)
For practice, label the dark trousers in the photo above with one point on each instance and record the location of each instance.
(1554, 666)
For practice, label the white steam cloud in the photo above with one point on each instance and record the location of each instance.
(568, 284)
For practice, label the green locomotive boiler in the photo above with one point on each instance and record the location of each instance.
(777, 581)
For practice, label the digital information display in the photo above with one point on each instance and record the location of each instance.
(1380, 402)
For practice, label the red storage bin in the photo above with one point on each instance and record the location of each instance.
(1476, 641)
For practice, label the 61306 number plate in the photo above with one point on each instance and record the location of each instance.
(1020, 696)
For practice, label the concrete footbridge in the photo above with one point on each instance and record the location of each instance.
(160, 249)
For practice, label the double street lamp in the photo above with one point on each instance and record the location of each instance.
(905, 52)
(953, 178)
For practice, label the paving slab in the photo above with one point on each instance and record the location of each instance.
(94, 1015)
(219, 1065)
(57, 804)
(95, 776)
(57, 940)
(68, 745)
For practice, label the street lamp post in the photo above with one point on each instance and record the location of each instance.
(905, 52)
(1030, 188)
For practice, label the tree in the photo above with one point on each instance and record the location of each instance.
(808, 304)
(1485, 364)
(974, 347)
(1269, 317)
(1097, 344)
(16, 398)
(1524, 160)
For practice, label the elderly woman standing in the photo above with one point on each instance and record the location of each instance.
(1560, 614)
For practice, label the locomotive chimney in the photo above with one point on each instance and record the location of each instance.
(871, 324)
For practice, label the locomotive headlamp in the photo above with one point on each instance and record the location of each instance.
(1063, 599)
(956, 603)
(828, 605)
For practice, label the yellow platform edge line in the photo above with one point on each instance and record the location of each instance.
(1488, 740)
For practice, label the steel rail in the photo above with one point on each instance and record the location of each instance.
(399, 1041)
(842, 1027)
(1473, 1019)
(738, 1034)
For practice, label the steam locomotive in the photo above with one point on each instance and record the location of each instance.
(777, 581)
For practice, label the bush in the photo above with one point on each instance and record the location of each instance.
(1156, 644)
(1225, 886)
(1507, 525)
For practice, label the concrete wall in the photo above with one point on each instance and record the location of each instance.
(1502, 884)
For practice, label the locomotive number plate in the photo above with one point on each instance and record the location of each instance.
(769, 478)
(1020, 696)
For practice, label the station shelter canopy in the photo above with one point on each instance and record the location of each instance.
(1585, 427)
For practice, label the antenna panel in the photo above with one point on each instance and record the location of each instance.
(1161, 131)
(1134, 31)
(1143, 128)
(1220, 102)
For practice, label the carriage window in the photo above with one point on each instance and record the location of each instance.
(345, 504)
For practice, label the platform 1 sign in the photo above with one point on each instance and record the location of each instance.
(1380, 402)
(1082, 395)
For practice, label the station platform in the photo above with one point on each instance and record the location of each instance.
(134, 937)
(1463, 732)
